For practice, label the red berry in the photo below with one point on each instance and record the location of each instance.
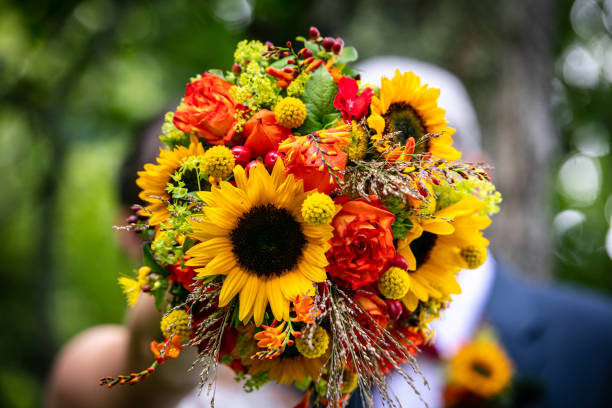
(314, 32)
(271, 157)
(328, 43)
(338, 44)
(395, 308)
(242, 154)
(252, 165)
(236, 69)
(400, 262)
(305, 53)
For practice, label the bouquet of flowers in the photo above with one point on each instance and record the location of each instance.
(304, 227)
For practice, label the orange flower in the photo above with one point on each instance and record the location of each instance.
(263, 133)
(304, 309)
(271, 337)
(375, 307)
(170, 348)
(362, 245)
(318, 159)
(208, 110)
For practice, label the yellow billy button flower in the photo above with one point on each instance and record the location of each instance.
(219, 162)
(319, 343)
(318, 209)
(394, 283)
(176, 322)
(290, 112)
(358, 146)
(473, 256)
(349, 381)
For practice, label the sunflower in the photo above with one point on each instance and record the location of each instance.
(155, 178)
(254, 233)
(411, 111)
(481, 367)
(433, 249)
(289, 367)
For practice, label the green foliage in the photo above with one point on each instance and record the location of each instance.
(402, 224)
(319, 93)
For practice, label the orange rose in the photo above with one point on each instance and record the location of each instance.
(208, 110)
(263, 133)
(362, 245)
(304, 158)
(375, 307)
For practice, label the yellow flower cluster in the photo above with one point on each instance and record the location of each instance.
(255, 88)
(177, 323)
(219, 162)
(319, 343)
(296, 87)
(318, 209)
(394, 283)
(247, 51)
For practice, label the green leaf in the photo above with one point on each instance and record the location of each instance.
(348, 54)
(319, 93)
(149, 260)
(348, 71)
(217, 72)
(330, 119)
(281, 62)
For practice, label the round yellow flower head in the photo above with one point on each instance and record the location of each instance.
(349, 381)
(358, 146)
(290, 112)
(320, 342)
(176, 322)
(473, 256)
(318, 209)
(219, 162)
(394, 283)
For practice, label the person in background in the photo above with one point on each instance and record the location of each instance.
(559, 337)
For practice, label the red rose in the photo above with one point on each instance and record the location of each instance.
(208, 110)
(263, 133)
(348, 103)
(362, 245)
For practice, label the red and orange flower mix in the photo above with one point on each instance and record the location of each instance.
(274, 227)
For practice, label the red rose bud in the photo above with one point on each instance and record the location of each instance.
(288, 44)
(271, 157)
(394, 308)
(328, 43)
(242, 154)
(400, 262)
(338, 44)
(314, 32)
(236, 69)
(252, 165)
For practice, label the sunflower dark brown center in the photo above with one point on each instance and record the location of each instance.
(267, 240)
(422, 246)
(481, 369)
(403, 120)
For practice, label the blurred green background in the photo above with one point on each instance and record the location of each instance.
(79, 79)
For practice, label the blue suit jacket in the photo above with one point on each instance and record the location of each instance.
(558, 337)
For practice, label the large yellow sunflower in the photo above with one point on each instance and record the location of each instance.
(437, 248)
(155, 177)
(481, 367)
(289, 367)
(411, 109)
(254, 234)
